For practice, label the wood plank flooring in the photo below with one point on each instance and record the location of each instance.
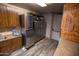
(32, 40)
(45, 47)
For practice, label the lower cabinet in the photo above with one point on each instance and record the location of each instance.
(9, 46)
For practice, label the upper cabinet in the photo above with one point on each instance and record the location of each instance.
(3, 16)
(13, 19)
(8, 18)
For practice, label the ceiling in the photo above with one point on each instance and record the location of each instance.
(51, 7)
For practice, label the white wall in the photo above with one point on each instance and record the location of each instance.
(55, 35)
(57, 18)
(56, 26)
(57, 22)
(47, 19)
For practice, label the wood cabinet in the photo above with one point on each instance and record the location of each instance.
(8, 18)
(11, 45)
(3, 16)
(13, 19)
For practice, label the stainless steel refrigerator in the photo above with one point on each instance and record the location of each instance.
(32, 25)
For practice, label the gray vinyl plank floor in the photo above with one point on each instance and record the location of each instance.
(45, 47)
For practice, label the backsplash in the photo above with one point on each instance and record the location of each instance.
(5, 29)
(8, 29)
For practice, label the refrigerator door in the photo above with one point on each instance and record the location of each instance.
(30, 18)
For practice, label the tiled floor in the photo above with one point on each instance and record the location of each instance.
(45, 47)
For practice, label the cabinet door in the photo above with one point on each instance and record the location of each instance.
(13, 19)
(10, 46)
(5, 46)
(18, 43)
(3, 16)
(8, 18)
(0, 17)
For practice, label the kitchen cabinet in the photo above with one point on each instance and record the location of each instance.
(13, 20)
(8, 18)
(10, 45)
(3, 16)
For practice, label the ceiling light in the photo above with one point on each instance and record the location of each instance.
(42, 4)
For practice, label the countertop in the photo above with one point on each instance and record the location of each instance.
(10, 37)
